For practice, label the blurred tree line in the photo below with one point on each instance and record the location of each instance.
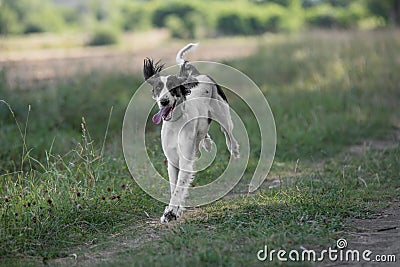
(193, 19)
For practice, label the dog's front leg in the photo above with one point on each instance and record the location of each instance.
(187, 150)
(185, 178)
(173, 176)
(177, 202)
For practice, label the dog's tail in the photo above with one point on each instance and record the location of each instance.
(181, 54)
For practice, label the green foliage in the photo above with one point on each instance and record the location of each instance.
(183, 19)
(104, 36)
(339, 3)
(30, 16)
(178, 8)
(293, 18)
(231, 21)
(134, 16)
(324, 16)
(177, 27)
(285, 3)
(8, 21)
(187, 27)
(195, 19)
(389, 10)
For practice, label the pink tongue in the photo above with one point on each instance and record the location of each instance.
(158, 117)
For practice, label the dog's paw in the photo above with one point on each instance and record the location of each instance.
(168, 217)
(235, 152)
(206, 143)
(170, 214)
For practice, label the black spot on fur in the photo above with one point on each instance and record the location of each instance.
(219, 90)
(151, 68)
(221, 93)
(184, 90)
(177, 87)
(188, 71)
(190, 83)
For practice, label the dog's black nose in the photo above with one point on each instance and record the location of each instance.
(164, 102)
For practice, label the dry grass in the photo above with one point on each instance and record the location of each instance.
(41, 60)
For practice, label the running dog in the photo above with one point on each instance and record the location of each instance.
(187, 102)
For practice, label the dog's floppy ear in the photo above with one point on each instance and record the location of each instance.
(151, 69)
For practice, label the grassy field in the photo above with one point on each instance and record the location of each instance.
(65, 188)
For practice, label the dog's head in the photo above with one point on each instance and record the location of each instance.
(167, 91)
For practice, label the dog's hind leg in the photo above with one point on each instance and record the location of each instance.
(221, 112)
(231, 142)
(206, 143)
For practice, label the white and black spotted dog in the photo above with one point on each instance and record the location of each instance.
(187, 103)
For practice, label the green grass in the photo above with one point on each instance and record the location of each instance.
(308, 211)
(61, 188)
(328, 90)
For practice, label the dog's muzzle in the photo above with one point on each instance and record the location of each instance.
(164, 113)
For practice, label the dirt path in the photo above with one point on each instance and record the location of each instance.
(128, 239)
(381, 235)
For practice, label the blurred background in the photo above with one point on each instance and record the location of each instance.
(194, 19)
(43, 40)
